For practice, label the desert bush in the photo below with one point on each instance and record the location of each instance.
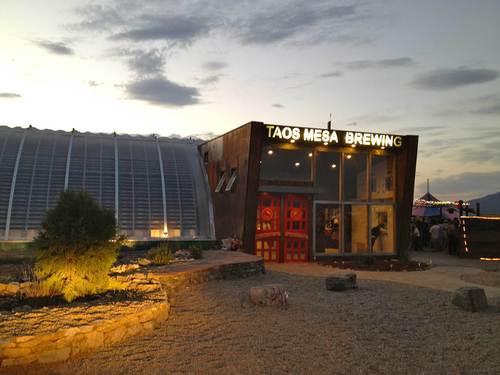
(196, 251)
(161, 254)
(77, 246)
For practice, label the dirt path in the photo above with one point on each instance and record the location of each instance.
(382, 328)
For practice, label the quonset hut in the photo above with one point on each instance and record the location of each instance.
(156, 186)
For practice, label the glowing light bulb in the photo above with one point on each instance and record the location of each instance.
(310, 154)
(334, 165)
(348, 156)
(353, 146)
(270, 152)
(297, 164)
(292, 141)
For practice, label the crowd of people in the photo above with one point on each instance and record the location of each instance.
(436, 234)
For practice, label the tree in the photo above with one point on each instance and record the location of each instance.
(77, 246)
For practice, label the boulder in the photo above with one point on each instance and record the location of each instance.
(342, 282)
(143, 262)
(267, 295)
(470, 298)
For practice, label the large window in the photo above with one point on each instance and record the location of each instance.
(356, 228)
(327, 175)
(354, 208)
(328, 229)
(283, 164)
(382, 231)
(355, 177)
(382, 177)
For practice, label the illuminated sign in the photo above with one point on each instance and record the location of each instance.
(293, 134)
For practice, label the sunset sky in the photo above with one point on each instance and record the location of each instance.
(430, 68)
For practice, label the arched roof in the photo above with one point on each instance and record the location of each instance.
(155, 185)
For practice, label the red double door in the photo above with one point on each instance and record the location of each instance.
(282, 228)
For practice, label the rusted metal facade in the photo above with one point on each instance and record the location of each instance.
(236, 209)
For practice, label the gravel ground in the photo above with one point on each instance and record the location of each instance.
(487, 278)
(381, 328)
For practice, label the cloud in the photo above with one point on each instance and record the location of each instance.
(422, 129)
(400, 62)
(56, 48)
(214, 65)
(487, 105)
(180, 29)
(446, 79)
(210, 80)
(331, 74)
(466, 185)
(97, 18)
(144, 62)
(259, 22)
(290, 19)
(161, 91)
(278, 105)
(9, 95)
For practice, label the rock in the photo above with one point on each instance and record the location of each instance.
(182, 254)
(340, 283)
(470, 298)
(269, 295)
(122, 268)
(17, 309)
(143, 262)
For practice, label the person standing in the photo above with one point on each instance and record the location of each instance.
(434, 231)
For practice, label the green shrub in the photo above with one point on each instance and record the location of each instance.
(196, 251)
(160, 254)
(77, 247)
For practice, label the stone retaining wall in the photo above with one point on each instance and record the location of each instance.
(61, 345)
(172, 281)
(12, 288)
(65, 343)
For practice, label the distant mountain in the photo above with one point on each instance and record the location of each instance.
(490, 204)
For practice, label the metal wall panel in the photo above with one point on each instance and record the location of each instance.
(46, 157)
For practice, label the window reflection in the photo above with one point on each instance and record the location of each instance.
(382, 231)
(356, 228)
(327, 175)
(285, 164)
(382, 177)
(355, 177)
(328, 229)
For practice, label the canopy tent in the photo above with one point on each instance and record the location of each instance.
(428, 205)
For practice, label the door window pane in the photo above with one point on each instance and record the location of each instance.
(355, 177)
(356, 228)
(327, 175)
(285, 164)
(382, 178)
(382, 231)
(327, 229)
